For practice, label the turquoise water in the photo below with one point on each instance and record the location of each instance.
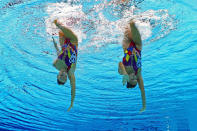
(30, 98)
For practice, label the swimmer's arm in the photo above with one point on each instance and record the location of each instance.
(55, 45)
(136, 37)
(141, 86)
(72, 83)
(121, 69)
(68, 33)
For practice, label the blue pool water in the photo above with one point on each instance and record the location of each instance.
(30, 98)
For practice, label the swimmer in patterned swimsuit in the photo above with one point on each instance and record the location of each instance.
(130, 67)
(67, 58)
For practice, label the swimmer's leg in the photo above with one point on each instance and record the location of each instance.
(67, 32)
(72, 83)
(71, 77)
(135, 35)
(141, 86)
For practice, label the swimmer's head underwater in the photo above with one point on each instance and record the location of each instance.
(59, 82)
(62, 78)
(131, 85)
(132, 81)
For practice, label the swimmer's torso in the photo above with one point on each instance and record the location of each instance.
(132, 58)
(68, 54)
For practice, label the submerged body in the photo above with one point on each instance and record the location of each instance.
(130, 67)
(67, 58)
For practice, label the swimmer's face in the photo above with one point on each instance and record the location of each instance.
(132, 81)
(62, 77)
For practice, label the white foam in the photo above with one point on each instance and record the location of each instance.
(105, 31)
(70, 16)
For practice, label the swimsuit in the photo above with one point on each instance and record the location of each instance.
(132, 56)
(68, 54)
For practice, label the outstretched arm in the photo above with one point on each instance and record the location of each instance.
(67, 32)
(55, 45)
(72, 83)
(141, 86)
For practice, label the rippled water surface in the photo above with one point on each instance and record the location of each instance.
(30, 98)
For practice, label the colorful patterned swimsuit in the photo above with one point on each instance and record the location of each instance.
(68, 54)
(132, 56)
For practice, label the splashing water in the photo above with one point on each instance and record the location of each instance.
(101, 29)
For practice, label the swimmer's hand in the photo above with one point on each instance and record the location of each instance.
(69, 108)
(143, 109)
(125, 79)
(55, 44)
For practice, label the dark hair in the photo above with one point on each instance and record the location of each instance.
(130, 85)
(59, 82)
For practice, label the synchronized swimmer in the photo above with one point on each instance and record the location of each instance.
(130, 67)
(67, 58)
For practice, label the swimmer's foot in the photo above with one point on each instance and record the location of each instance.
(69, 108)
(143, 109)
